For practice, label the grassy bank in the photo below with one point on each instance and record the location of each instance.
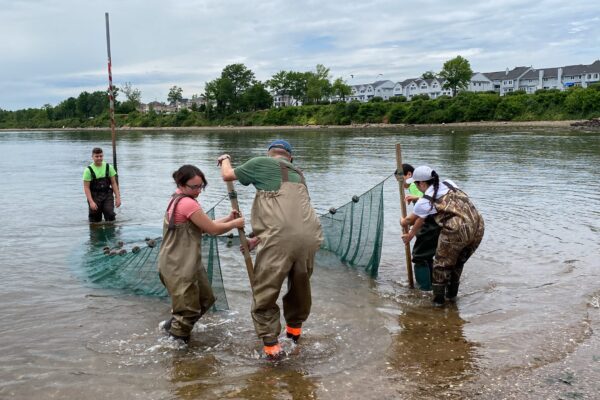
(546, 105)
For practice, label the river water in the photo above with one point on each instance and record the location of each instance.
(523, 326)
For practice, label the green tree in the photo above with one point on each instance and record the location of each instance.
(428, 75)
(280, 83)
(133, 95)
(299, 85)
(228, 90)
(175, 94)
(257, 98)
(318, 86)
(340, 89)
(457, 73)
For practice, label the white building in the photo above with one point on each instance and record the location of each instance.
(480, 83)
(363, 93)
(433, 88)
(529, 79)
(284, 100)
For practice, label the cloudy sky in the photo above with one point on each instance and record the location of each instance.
(53, 49)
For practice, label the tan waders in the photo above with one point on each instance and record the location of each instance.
(461, 234)
(181, 271)
(290, 235)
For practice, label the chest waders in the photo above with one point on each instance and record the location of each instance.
(462, 230)
(102, 194)
(423, 252)
(290, 235)
(181, 271)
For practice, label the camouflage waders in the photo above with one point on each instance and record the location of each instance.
(290, 235)
(462, 231)
(181, 271)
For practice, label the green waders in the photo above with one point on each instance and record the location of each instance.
(462, 231)
(181, 271)
(290, 235)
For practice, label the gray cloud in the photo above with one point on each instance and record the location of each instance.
(53, 49)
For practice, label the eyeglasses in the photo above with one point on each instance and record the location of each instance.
(196, 187)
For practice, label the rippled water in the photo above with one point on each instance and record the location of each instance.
(528, 298)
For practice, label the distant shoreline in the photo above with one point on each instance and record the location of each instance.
(489, 124)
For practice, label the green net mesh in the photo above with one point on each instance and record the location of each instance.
(354, 231)
(133, 266)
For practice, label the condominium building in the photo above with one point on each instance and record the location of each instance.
(527, 79)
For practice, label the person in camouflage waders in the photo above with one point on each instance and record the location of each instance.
(461, 225)
(288, 233)
(426, 241)
(180, 257)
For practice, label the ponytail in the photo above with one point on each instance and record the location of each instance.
(435, 181)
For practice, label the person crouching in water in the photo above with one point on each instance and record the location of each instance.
(461, 225)
(180, 257)
(289, 234)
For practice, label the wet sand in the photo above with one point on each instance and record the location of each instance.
(573, 377)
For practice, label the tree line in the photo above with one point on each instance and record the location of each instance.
(236, 97)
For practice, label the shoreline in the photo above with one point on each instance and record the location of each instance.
(487, 124)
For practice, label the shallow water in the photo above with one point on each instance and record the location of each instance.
(528, 299)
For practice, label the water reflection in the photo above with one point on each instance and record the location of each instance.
(103, 234)
(431, 349)
(193, 377)
(277, 382)
(200, 377)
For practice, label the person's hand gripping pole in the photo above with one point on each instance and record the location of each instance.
(225, 158)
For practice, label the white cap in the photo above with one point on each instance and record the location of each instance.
(421, 174)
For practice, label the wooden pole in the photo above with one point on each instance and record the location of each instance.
(234, 204)
(110, 95)
(400, 179)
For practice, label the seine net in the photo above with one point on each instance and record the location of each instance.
(353, 232)
(133, 266)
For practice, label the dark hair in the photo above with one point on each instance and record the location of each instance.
(406, 168)
(436, 185)
(187, 172)
(97, 150)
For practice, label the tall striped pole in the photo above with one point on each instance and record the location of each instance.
(111, 96)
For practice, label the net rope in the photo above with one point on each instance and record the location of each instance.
(352, 231)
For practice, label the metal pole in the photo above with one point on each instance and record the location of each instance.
(110, 95)
(234, 205)
(400, 179)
